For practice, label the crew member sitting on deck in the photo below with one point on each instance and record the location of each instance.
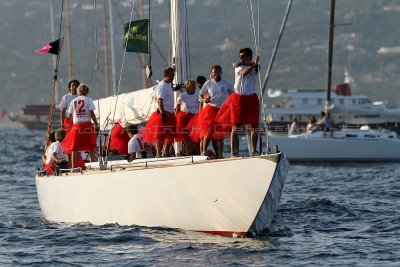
(160, 128)
(66, 122)
(135, 145)
(54, 153)
(51, 138)
(187, 106)
(117, 140)
(82, 136)
(242, 107)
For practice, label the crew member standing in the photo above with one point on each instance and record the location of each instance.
(160, 129)
(82, 136)
(66, 122)
(243, 107)
(187, 105)
(213, 93)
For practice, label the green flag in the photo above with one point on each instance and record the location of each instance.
(138, 36)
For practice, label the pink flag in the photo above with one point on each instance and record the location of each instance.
(44, 50)
(52, 48)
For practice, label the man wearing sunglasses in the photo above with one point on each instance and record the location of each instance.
(242, 108)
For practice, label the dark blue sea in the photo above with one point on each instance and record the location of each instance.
(329, 215)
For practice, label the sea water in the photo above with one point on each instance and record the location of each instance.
(344, 214)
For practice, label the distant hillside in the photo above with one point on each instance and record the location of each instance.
(369, 47)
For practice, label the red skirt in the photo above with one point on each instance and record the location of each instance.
(158, 131)
(238, 110)
(81, 138)
(182, 121)
(206, 123)
(194, 128)
(119, 140)
(67, 124)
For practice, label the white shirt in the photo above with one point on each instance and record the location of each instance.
(54, 148)
(245, 85)
(80, 108)
(66, 101)
(217, 91)
(164, 91)
(136, 145)
(189, 103)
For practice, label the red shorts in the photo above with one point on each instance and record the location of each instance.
(49, 168)
(182, 121)
(158, 131)
(81, 138)
(238, 110)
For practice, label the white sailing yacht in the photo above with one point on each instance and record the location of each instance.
(362, 144)
(229, 197)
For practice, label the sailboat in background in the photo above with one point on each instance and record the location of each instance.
(229, 197)
(363, 144)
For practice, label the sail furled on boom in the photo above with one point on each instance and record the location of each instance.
(134, 107)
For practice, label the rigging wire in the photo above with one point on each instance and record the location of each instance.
(262, 111)
(83, 39)
(170, 63)
(120, 74)
(227, 30)
(271, 62)
(257, 50)
(153, 42)
(52, 100)
(97, 76)
(188, 59)
(91, 50)
(150, 35)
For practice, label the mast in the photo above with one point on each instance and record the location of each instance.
(330, 53)
(179, 40)
(179, 46)
(69, 40)
(142, 56)
(106, 49)
(114, 81)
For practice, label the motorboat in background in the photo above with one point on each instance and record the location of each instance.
(36, 117)
(350, 110)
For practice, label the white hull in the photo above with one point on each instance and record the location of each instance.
(307, 147)
(227, 197)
